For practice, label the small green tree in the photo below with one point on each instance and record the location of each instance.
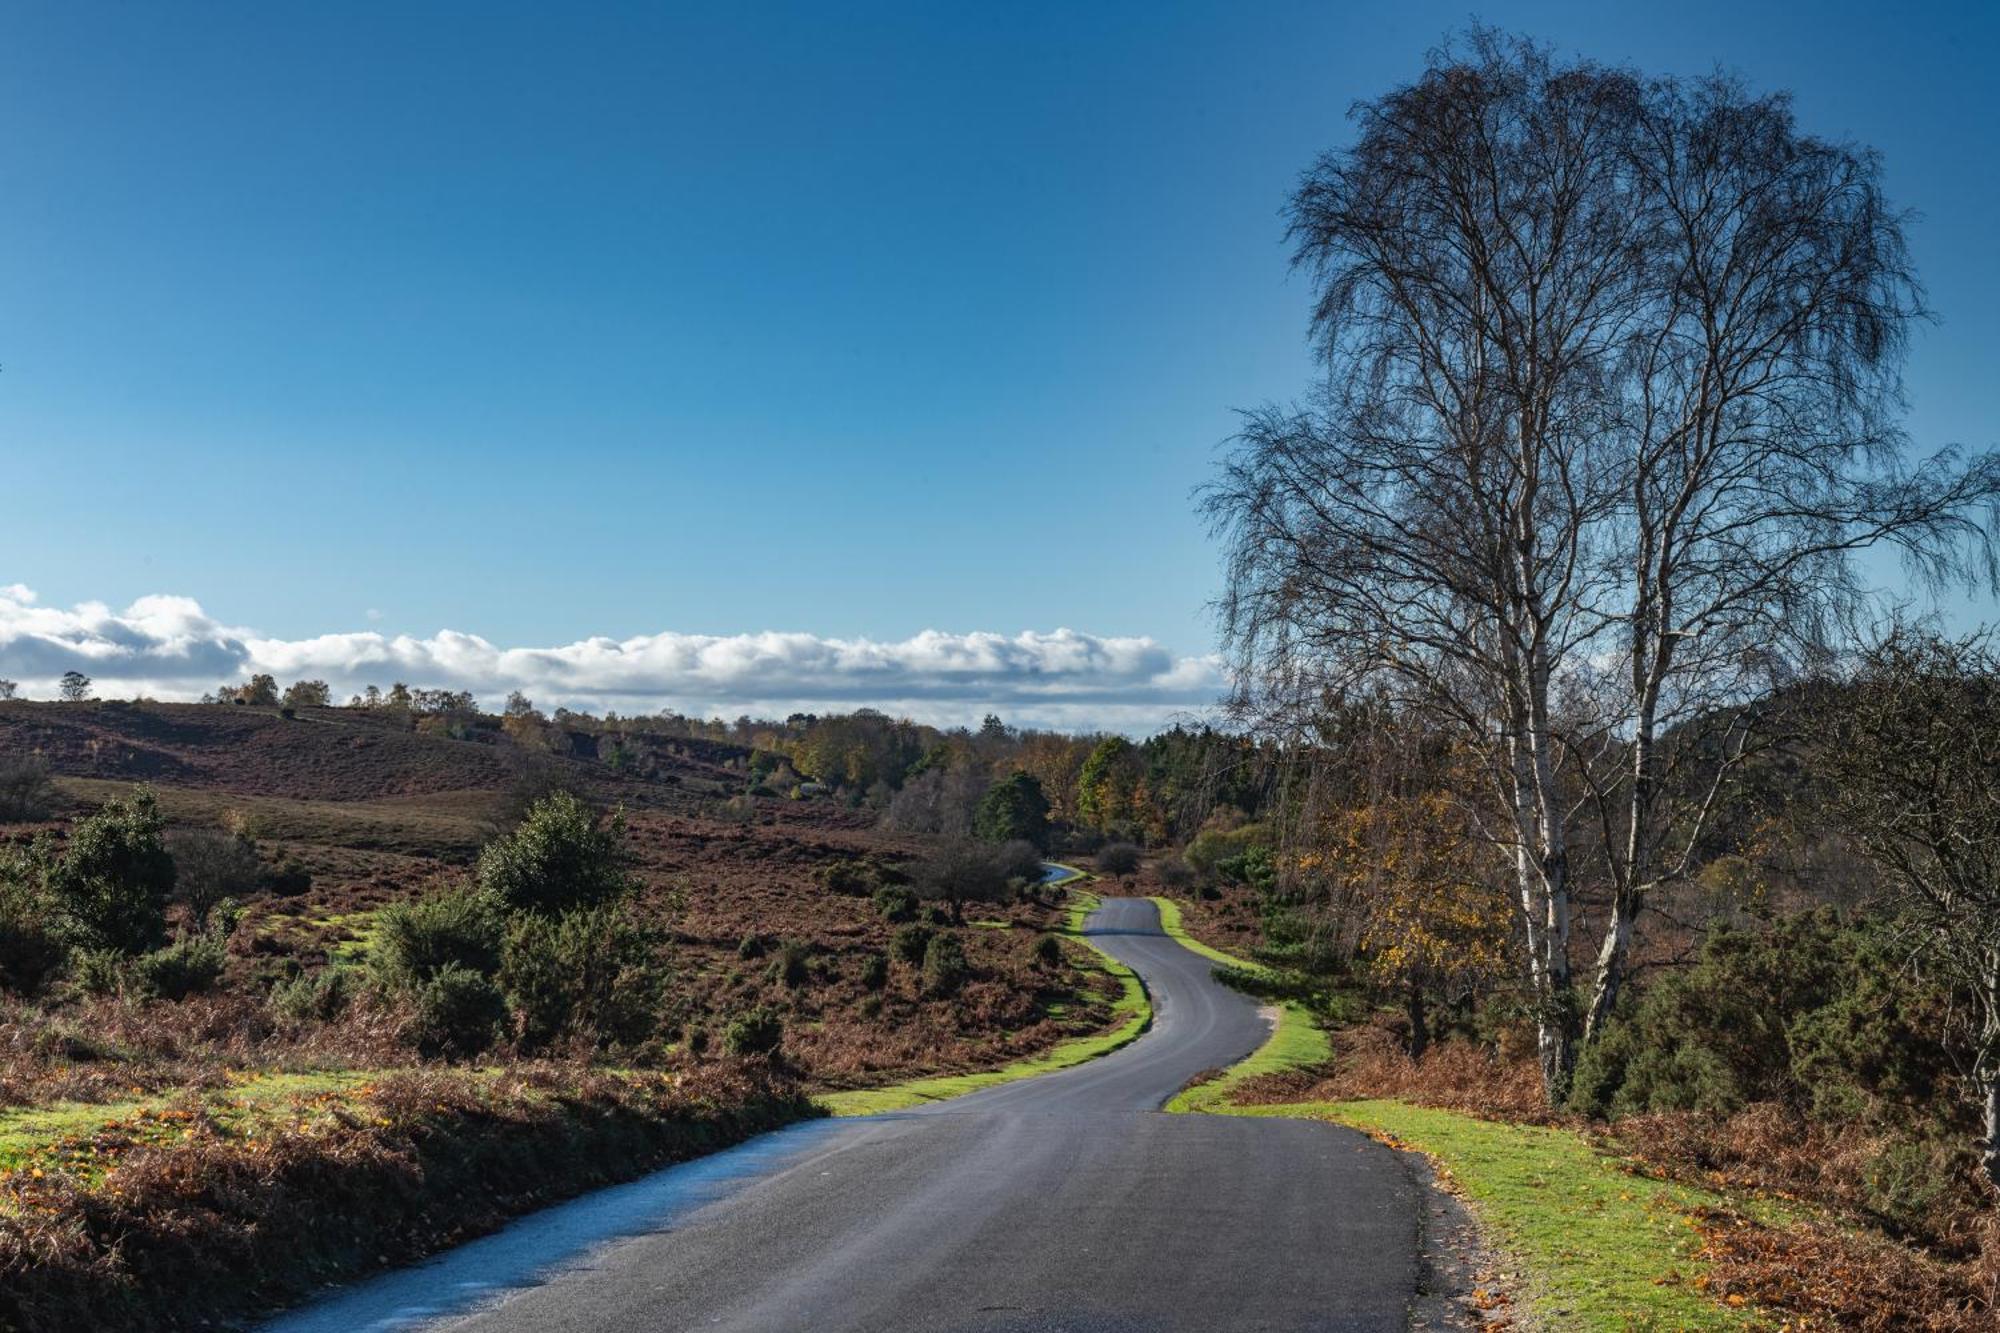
(74, 687)
(109, 889)
(561, 856)
(1013, 809)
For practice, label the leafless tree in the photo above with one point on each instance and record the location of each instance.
(1759, 448)
(1914, 762)
(939, 802)
(1610, 371)
(212, 866)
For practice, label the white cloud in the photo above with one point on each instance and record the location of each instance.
(169, 648)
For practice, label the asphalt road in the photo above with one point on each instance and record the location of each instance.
(1062, 1202)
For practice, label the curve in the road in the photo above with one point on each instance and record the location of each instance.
(1060, 1202)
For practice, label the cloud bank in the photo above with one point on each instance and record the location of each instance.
(168, 647)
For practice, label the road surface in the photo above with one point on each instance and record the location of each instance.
(1065, 1202)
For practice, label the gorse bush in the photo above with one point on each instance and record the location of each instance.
(98, 971)
(560, 857)
(788, 965)
(756, 1031)
(414, 942)
(1048, 952)
(588, 978)
(109, 887)
(30, 953)
(896, 903)
(1813, 1012)
(457, 1013)
(907, 945)
(314, 997)
(853, 879)
(945, 968)
(875, 971)
(190, 965)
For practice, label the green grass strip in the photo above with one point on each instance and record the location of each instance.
(1607, 1249)
(1132, 1004)
(1296, 1043)
(27, 1134)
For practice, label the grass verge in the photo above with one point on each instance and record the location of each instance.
(1295, 1043)
(1132, 1007)
(226, 1216)
(1604, 1249)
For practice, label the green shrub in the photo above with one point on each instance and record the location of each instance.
(754, 1032)
(416, 941)
(851, 879)
(1913, 1183)
(751, 947)
(560, 856)
(896, 903)
(945, 968)
(590, 977)
(30, 953)
(109, 889)
(875, 971)
(788, 966)
(458, 1013)
(314, 997)
(1048, 952)
(907, 945)
(1810, 1011)
(191, 965)
(98, 971)
(1176, 875)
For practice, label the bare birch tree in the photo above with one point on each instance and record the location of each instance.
(1610, 378)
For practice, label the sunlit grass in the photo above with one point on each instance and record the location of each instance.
(1604, 1249)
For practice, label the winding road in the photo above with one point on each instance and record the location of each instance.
(1064, 1202)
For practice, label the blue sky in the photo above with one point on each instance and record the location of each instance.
(845, 320)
